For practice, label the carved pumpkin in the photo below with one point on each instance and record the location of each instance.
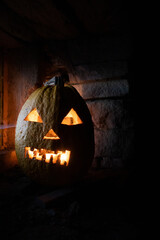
(54, 136)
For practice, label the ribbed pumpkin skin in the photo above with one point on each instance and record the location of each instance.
(52, 104)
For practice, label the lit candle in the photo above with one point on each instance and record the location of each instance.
(59, 157)
(64, 158)
(48, 155)
(54, 158)
(30, 153)
(38, 157)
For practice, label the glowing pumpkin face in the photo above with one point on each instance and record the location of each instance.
(54, 136)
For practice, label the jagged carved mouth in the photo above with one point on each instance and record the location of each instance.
(48, 156)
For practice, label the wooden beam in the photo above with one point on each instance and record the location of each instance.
(1, 98)
(8, 41)
(5, 102)
(68, 11)
(15, 26)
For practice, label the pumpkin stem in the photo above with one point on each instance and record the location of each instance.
(58, 80)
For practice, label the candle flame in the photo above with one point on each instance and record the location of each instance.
(61, 157)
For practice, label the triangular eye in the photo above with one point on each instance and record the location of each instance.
(51, 135)
(71, 118)
(33, 116)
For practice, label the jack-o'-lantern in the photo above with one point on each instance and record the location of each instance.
(54, 136)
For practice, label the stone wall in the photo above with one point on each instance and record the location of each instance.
(108, 103)
(103, 78)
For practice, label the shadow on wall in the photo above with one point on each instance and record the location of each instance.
(8, 159)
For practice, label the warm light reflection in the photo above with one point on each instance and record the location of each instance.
(33, 116)
(51, 135)
(58, 157)
(72, 118)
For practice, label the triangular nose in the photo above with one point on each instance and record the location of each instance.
(51, 135)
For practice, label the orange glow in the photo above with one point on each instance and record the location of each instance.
(72, 118)
(59, 157)
(51, 135)
(64, 157)
(33, 116)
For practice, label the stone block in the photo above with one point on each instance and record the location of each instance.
(106, 114)
(102, 70)
(115, 147)
(108, 143)
(103, 89)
